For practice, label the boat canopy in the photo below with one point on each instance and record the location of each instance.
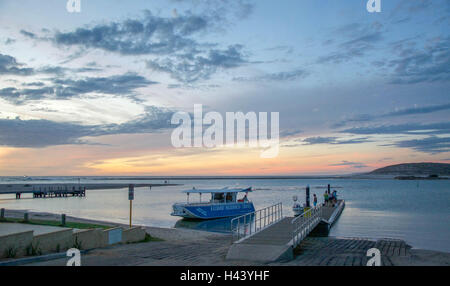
(215, 191)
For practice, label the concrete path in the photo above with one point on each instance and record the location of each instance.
(209, 251)
(10, 228)
(188, 252)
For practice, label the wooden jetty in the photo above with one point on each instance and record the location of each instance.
(63, 190)
(266, 236)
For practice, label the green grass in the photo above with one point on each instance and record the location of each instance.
(56, 223)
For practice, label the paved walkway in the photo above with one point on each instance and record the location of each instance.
(10, 228)
(314, 251)
(203, 252)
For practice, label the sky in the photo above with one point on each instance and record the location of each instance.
(93, 93)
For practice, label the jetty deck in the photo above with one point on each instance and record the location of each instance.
(276, 238)
(279, 233)
(58, 190)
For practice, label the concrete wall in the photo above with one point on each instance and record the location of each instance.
(134, 234)
(17, 241)
(90, 238)
(64, 239)
(54, 241)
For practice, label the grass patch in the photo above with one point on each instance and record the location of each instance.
(56, 223)
(33, 250)
(11, 252)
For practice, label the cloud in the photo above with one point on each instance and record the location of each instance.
(9, 41)
(124, 84)
(430, 64)
(148, 35)
(411, 6)
(418, 110)
(10, 66)
(28, 34)
(407, 128)
(18, 96)
(400, 112)
(325, 140)
(333, 140)
(189, 68)
(224, 11)
(280, 76)
(358, 39)
(43, 133)
(117, 85)
(355, 165)
(170, 42)
(430, 145)
(290, 132)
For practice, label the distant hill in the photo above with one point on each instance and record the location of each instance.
(412, 169)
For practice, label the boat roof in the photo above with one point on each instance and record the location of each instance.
(214, 191)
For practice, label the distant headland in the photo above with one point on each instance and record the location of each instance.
(415, 171)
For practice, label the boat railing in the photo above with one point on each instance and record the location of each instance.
(305, 223)
(251, 223)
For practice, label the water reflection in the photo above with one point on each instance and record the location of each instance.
(216, 225)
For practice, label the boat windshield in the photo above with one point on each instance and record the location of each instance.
(217, 197)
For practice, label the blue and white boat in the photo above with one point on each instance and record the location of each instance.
(222, 203)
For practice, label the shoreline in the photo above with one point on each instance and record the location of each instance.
(182, 247)
(29, 188)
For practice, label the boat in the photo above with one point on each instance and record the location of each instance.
(297, 208)
(222, 203)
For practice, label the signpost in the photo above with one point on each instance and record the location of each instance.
(131, 198)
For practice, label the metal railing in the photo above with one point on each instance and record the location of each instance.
(251, 223)
(304, 224)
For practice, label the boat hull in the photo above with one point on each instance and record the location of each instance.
(215, 211)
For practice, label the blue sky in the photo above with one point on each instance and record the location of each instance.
(356, 88)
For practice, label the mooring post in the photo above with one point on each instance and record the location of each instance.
(308, 203)
(25, 217)
(63, 219)
(329, 187)
(2, 213)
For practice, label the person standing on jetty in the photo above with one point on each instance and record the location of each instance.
(325, 198)
(315, 200)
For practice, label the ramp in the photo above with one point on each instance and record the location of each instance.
(273, 241)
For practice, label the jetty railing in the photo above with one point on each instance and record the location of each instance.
(251, 223)
(304, 224)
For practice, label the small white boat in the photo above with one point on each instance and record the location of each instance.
(297, 208)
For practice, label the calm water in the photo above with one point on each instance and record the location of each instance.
(416, 211)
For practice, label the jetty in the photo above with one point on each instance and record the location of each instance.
(58, 190)
(267, 236)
